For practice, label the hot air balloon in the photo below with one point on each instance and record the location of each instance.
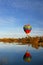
(27, 28)
(27, 57)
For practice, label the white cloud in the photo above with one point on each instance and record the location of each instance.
(8, 21)
(19, 33)
(37, 32)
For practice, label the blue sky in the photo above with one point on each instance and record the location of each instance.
(14, 14)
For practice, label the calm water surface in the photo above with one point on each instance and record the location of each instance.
(11, 54)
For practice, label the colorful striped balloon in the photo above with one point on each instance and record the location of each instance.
(27, 29)
(27, 57)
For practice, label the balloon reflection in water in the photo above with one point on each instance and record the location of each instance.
(27, 57)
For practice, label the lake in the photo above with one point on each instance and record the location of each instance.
(12, 54)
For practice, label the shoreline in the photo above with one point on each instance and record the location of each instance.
(34, 41)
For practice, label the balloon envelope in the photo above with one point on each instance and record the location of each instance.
(27, 29)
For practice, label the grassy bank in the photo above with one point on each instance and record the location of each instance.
(34, 41)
